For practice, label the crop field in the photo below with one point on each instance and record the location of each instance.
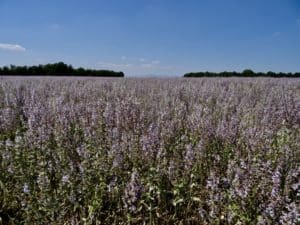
(149, 151)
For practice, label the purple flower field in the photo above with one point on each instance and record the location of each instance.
(149, 151)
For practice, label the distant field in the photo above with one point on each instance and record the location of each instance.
(149, 151)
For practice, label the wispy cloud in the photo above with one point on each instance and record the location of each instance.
(55, 26)
(155, 62)
(113, 65)
(147, 65)
(276, 34)
(12, 47)
(138, 67)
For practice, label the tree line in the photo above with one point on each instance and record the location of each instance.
(56, 69)
(245, 73)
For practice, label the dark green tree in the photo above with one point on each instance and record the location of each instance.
(248, 73)
(56, 69)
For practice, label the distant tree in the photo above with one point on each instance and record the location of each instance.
(56, 69)
(5, 70)
(245, 73)
(80, 71)
(248, 73)
(271, 74)
(260, 74)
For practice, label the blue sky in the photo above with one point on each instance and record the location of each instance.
(153, 37)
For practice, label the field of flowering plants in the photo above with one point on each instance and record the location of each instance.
(149, 151)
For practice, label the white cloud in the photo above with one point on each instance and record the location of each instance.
(155, 62)
(113, 65)
(12, 47)
(152, 64)
(142, 60)
(55, 26)
(147, 65)
(138, 68)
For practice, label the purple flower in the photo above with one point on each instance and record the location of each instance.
(133, 192)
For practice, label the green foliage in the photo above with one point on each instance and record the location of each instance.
(56, 69)
(245, 73)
